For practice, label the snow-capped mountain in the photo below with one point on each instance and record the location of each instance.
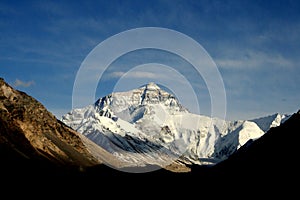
(265, 123)
(149, 126)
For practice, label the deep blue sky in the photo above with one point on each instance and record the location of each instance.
(255, 44)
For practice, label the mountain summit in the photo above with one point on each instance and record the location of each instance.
(148, 125)
(133, 105)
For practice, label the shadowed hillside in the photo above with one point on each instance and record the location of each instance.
(31, 134)
(273, 156)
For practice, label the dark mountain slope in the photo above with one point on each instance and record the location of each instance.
(263, 168)
(30, 134)
(271, 160)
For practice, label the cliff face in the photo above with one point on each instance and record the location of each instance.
(33, 133)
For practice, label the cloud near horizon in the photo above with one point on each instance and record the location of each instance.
(19, 83)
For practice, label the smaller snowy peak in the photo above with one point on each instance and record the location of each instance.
(265, 123)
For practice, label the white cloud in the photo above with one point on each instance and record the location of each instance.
(117, 74)
(253, 60)
(136, 74)
(19, 83)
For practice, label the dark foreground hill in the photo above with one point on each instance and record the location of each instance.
(273, 156)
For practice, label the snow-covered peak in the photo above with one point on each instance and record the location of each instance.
(134, 104)
(151, 86)
(153, 94)
(267, 122)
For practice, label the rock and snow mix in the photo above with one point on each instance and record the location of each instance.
(149, 126)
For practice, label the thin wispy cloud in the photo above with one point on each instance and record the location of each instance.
(253, 60)
(25, 84)
(287, 32)
(136, 74)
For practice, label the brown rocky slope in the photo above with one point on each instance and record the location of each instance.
(29, 132)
